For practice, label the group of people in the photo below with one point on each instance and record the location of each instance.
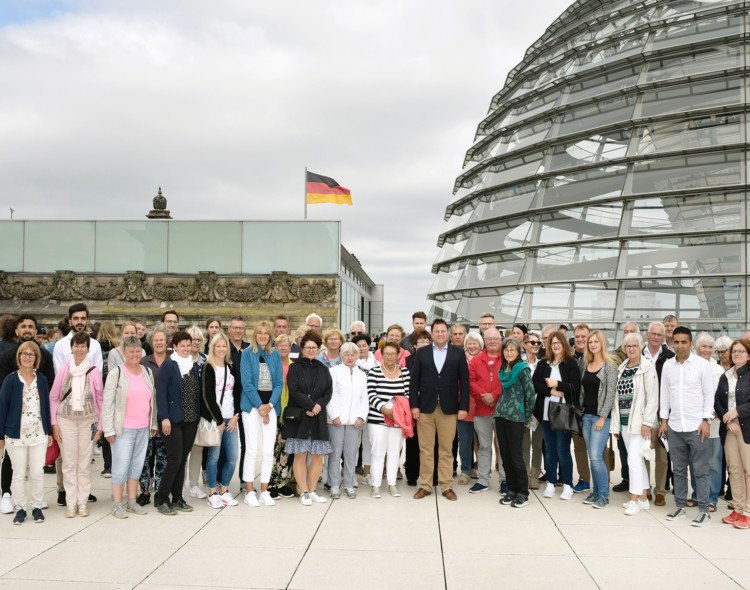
(319, 404)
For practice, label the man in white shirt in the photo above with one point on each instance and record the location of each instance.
(79, 319)
(686, 407)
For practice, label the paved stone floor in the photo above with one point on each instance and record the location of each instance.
(368, 543)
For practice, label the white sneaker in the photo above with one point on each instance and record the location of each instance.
(394, 491)
(567, 492)
(266, 499)
(305, 499)
(350, 493)
(228, 500)
(315, 497)
(356, 482)
(375, 492)
(251, 499)
(6, 504)
(214, 501)
(367, 480)
(196, 492)
(549, 491)
(644, 504)
(97, 451)
(632, 508)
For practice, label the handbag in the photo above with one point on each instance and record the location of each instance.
(53, 452)
(609, 455)
(293, 414)
(566, 418)
(208, 434)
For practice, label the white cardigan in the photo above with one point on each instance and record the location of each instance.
(349, 399)
(645, 406)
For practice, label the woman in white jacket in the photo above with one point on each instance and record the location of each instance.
(347, 412)
(637, 406)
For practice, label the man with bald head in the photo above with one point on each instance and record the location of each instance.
(619, 354)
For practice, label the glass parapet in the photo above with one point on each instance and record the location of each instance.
(690, 213)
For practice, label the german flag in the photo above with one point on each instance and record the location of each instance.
(323, 189)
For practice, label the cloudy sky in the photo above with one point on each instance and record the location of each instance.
(224, 103)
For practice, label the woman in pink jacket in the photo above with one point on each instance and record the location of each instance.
(75, 402)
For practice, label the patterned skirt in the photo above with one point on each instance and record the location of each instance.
(314, 447)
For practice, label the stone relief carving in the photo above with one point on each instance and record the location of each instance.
(134, 286)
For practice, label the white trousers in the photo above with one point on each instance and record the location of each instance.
(636, 463)
(386, 442)
(20, 457)
(253, 424)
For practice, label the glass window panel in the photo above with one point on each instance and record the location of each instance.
(618, 49)
(492, 271)
(603, 112)
(497, 173)
(503, 305)
(603, 83)
(205, 245)
(693, 31)
(689, 172)
(295, 247)
(587, 185)
(512, 140)
(501, 235)
(692, 213)
(580, 223)
(555, 72)
(711, 298)
(710, 59)
(446, 280)
(691, 97)
(690, 133)
(689, 255)
(506, 201)
(59, 245)
(538, 104)
(590, 150)
(132, 245)
(583, 302)
(445, 310)
(576, 262)
(450, 250)
(11, 254)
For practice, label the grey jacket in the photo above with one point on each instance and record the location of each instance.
(607, 389)
(116, 398)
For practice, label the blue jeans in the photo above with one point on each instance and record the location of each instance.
(465, 445)
(128, 454)
(596, 440)
(714, 470)
(557, 450)
(228, 448)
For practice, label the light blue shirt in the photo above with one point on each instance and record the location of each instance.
(439, 356)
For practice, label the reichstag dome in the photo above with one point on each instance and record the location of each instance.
(608, 181)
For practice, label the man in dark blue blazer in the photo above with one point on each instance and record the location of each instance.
(438, 395)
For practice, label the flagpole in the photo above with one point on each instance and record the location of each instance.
(305, 192)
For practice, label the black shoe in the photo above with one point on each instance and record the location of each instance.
(274, 493)
(143, 499)
(182, 506)
(411, 482)
(61, 498)
(507, 499)
(728, 495)
(327, 487)
(36, 513)
(623, 486)
(106, 472)
(542, 477)
(20, 517)
(92, 498)
(50, 469)
(286, 492)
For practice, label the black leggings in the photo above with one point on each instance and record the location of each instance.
(178, 443)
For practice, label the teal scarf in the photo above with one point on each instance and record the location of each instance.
(508, 379)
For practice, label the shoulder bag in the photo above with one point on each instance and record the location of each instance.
(566, 418)
(208, 434)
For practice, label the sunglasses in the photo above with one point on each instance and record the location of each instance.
(534, 342)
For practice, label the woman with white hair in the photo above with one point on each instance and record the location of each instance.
(635, 412)
(347, 412)
(704, 347)
(723, 346)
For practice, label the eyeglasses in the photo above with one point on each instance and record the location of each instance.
(310, 348)
(170, 322)
(534, 342)
(492, 339)
(722, 351)
(28, 354)
(198, 340)
(356, 333)
(632, 346)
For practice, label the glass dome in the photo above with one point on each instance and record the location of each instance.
(608, 181)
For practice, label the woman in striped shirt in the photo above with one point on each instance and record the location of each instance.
(384, 382)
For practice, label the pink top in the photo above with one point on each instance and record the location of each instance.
(138, 404)
(95, 385)
(403, 353)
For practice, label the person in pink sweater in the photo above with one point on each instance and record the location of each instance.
(76, 414)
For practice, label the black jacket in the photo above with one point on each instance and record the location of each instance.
(742, 399)
(664, 355)
(8, 363)
(569, 383)
(427, 386)
(309, 383)
(210, 409)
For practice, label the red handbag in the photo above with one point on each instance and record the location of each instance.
(53, 452)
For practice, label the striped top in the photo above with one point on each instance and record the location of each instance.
(380, 390)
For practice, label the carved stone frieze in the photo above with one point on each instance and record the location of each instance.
(136, 286)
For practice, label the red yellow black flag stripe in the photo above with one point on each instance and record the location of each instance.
(323, 189)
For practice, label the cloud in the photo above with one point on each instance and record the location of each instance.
(224, 108)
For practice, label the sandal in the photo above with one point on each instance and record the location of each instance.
(464, 479)
(712, 507)
(691, 503)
